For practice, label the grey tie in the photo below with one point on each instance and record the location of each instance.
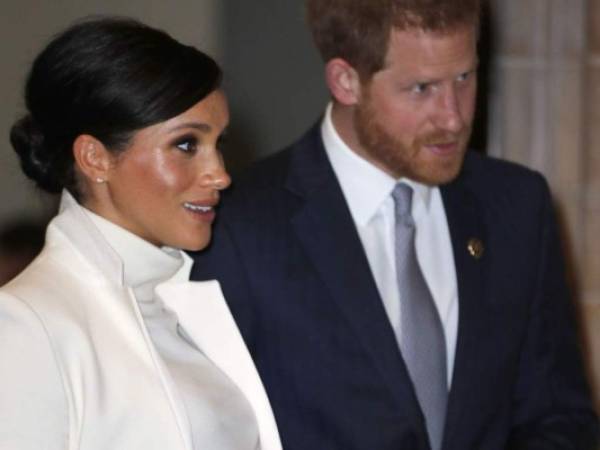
(422, 339)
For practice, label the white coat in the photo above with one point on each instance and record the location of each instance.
(78, 370)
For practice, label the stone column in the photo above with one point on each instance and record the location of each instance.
(545, 114)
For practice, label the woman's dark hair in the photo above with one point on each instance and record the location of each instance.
(107, 77)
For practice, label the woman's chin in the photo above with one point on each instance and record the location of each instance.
(195, 245)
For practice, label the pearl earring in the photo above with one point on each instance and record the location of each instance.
(100, 180)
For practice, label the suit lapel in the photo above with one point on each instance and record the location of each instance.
(325, 228)
(203, 313)
(466, 226)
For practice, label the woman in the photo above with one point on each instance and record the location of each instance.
(104, 344)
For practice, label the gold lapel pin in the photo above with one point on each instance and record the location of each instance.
(475, 248)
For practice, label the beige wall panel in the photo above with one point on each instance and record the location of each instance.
(593, 25)
(515, 121)
(565, 166)
(513, 24)
(593, 130)
(566, 136)
(565, 28)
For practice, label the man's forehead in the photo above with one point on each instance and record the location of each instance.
(434, 41)
(421, 49)
(418, 32)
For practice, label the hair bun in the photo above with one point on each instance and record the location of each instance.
(37, 161)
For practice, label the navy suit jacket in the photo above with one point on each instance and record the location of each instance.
(297, 280)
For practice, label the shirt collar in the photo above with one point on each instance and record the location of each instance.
(364, 185)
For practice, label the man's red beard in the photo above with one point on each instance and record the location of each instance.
(402, 161)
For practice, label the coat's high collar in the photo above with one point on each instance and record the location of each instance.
(87, 239)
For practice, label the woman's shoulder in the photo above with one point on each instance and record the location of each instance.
(56, 284)
(56, 266)
(30, 367)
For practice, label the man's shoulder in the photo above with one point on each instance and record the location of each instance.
(478, 165)
(489, 176)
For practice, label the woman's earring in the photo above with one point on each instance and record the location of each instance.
(100, 180)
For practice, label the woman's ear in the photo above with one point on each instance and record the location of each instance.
(92, 159)
(343, 81)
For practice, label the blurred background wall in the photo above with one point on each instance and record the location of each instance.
(540, 102)
(273, 76)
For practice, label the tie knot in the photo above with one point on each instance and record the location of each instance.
(402, 195)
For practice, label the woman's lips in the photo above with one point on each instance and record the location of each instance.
(201, 210)
(198, 207)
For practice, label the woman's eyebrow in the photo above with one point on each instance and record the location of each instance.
(203, 127)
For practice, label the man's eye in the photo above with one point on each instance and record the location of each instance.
(464, 76)
(420, 88)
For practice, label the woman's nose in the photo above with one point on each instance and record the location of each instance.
(216, 176)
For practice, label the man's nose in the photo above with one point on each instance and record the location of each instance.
(448, 115)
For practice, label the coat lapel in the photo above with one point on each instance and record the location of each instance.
(203, 313)
(467, 230)
(324, 226)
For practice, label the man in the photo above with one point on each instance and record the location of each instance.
(396, 291)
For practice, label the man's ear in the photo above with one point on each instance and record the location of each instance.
(92, 159)
(343, 81)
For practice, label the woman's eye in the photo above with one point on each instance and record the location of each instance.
(187, 145)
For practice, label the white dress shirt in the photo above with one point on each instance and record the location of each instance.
(368, 190)
(220, 416)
